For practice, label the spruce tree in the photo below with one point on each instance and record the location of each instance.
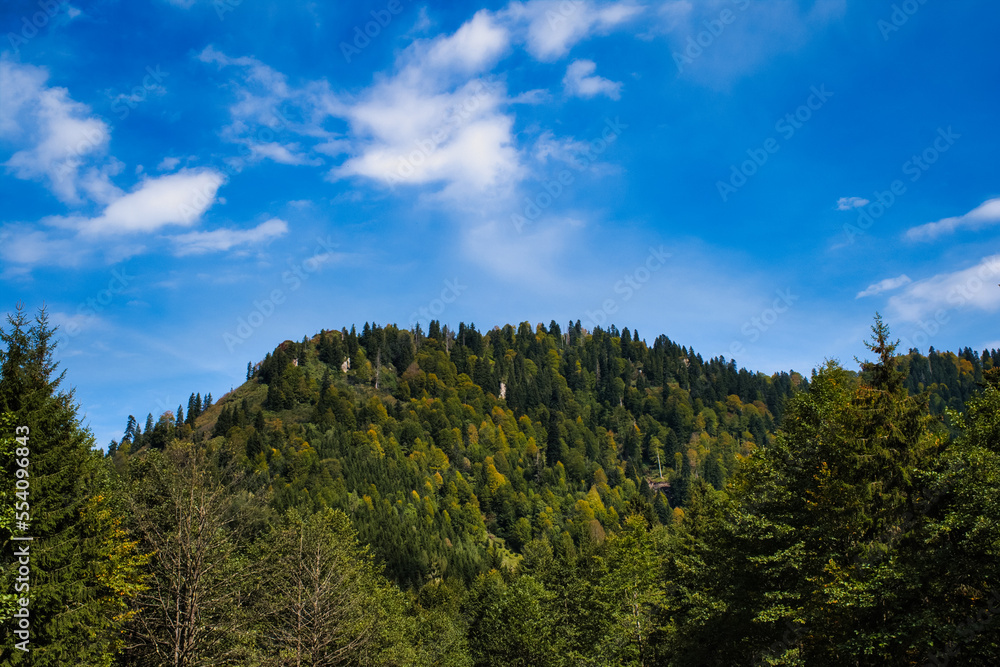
(83, 569)
(813, 559)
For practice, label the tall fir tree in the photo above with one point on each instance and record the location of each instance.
(83, 569)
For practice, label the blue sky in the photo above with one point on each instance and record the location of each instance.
(187, 183)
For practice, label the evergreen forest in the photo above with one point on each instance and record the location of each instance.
(521, 495)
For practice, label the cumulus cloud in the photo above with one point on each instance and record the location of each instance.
(193, 243)
(62, 143)
(476, 45)
(851, 203)
(975, 287)
(579, 81)
(886, 285)
(984, 215)
(437, 119)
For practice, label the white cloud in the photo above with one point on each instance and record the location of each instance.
(284, 153)
(27, 246)
(974, 287)
(333, 148)
(216, 240)
(984, 215)
(74, 324)
(552, 27)
(436, 120)
(886, 285)
(850, 203)
(476, 45)
(259, 114)
(62, 141)
(168, 164)
(175, 199)
(533, 96)
(578, 81)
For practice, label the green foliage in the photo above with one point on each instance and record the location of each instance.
(448, 450)
(507, 622)
(524, 496)
(848, 538)
(83, 566)
(324, 602)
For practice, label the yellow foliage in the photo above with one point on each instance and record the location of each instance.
(494, 480)
(376, 446)
(594, 500)
(584, 510)
(532, 449)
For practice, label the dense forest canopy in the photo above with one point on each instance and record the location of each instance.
(525, 495)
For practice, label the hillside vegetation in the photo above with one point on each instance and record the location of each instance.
(529, 496)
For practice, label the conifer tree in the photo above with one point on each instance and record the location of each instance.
(83, 568)
(810, 551)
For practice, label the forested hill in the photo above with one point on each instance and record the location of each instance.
(535, 497)
(452, 450)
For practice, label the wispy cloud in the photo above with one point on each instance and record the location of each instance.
(550, 28)
(194, 243)
(984, 215)
(851, 203)
(886, 285)
(63, 144)
(974, 287)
